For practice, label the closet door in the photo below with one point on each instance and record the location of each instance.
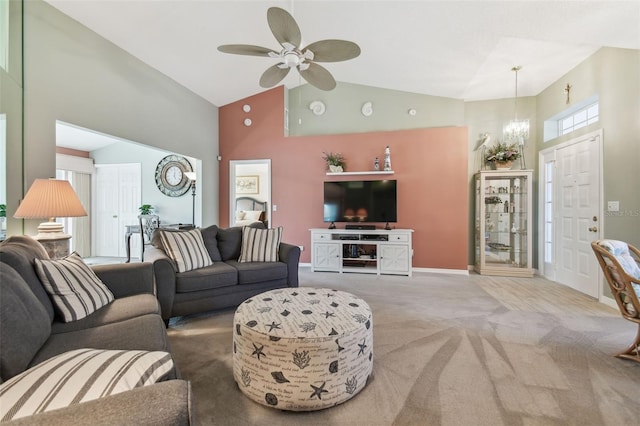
(118, 196)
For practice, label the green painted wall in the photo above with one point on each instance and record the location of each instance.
(11, 177)
(74, 75)
(614, 75)
(343, 112)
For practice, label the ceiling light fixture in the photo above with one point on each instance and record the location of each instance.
(517, 131)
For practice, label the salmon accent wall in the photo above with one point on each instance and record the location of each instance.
(430, 166)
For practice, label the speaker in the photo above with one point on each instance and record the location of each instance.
(361, 227)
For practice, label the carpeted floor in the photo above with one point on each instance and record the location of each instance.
(448, 350)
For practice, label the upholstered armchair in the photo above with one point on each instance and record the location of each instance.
(620, 263)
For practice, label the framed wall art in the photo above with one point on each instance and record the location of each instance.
(247, 184)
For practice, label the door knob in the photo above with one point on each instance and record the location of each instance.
(594, 229)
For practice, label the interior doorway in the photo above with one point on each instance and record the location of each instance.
(250, 179)
(117, 198)
(571, 211)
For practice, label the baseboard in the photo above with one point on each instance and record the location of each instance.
(430, 270)
(609, 302)
(442, 271)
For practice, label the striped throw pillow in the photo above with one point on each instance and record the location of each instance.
(76, 291)
(260, 245)
(186, 249)
(78, 376)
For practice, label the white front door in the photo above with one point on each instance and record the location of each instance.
(578, 207)
(118, 196)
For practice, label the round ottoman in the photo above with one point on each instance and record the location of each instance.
(302, 349)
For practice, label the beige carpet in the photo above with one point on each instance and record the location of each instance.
(448, 350)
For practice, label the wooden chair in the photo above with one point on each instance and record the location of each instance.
(148, 224)
(620, 263)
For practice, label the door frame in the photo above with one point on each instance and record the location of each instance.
(232, 187)
(550, 154)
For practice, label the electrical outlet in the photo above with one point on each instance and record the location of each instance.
(275, 208)
(613, 206)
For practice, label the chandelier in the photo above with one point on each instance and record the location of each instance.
(516, 131)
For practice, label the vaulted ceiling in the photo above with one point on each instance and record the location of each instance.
(461, 50)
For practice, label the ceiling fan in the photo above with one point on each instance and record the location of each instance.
(286, 31)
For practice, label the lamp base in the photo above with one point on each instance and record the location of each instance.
(55, 242)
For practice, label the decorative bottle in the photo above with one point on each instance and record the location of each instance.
(376, 164)
(387, 159)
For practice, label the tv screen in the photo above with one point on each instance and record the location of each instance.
(360, 201)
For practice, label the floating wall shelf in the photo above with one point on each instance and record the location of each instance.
(371, 172)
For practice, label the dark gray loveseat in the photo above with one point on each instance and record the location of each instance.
(30, 333)
(227, 282)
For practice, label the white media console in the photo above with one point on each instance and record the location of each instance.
(375, 251)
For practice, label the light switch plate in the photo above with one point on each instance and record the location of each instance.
(613, 206)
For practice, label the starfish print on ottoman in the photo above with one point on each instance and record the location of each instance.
(273, 326)
(318, 391)
(257, 351)
(362, 348)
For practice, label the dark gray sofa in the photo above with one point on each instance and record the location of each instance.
(227, 282)
(30, 333)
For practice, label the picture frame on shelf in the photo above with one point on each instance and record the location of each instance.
(247, 184)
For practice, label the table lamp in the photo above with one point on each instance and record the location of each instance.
(51, 198)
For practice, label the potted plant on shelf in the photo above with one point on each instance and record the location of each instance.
(146, 209)
(502, 155)
(335, 162)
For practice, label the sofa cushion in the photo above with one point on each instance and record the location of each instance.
(209, 236)
(78, 376)
(257, 272)
(19, 252)
(24, 323)
(230, 241)
(144, 333)
(186, 249)
(214, 276)
(75, 289)
(119, 310)
(260, 245)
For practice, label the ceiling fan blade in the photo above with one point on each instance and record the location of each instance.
(273, 75)
(318, 76)
(283, 26)
(333, 50)
(245, 49)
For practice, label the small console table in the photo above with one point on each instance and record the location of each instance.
(373, 251)
(135, 229)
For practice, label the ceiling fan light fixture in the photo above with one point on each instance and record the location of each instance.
(292, 59)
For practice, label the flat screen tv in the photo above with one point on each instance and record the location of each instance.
(360, 201)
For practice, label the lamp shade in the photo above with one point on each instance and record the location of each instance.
(191, 176)
(50, 198)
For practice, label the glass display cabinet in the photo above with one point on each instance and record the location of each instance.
(503, 223)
